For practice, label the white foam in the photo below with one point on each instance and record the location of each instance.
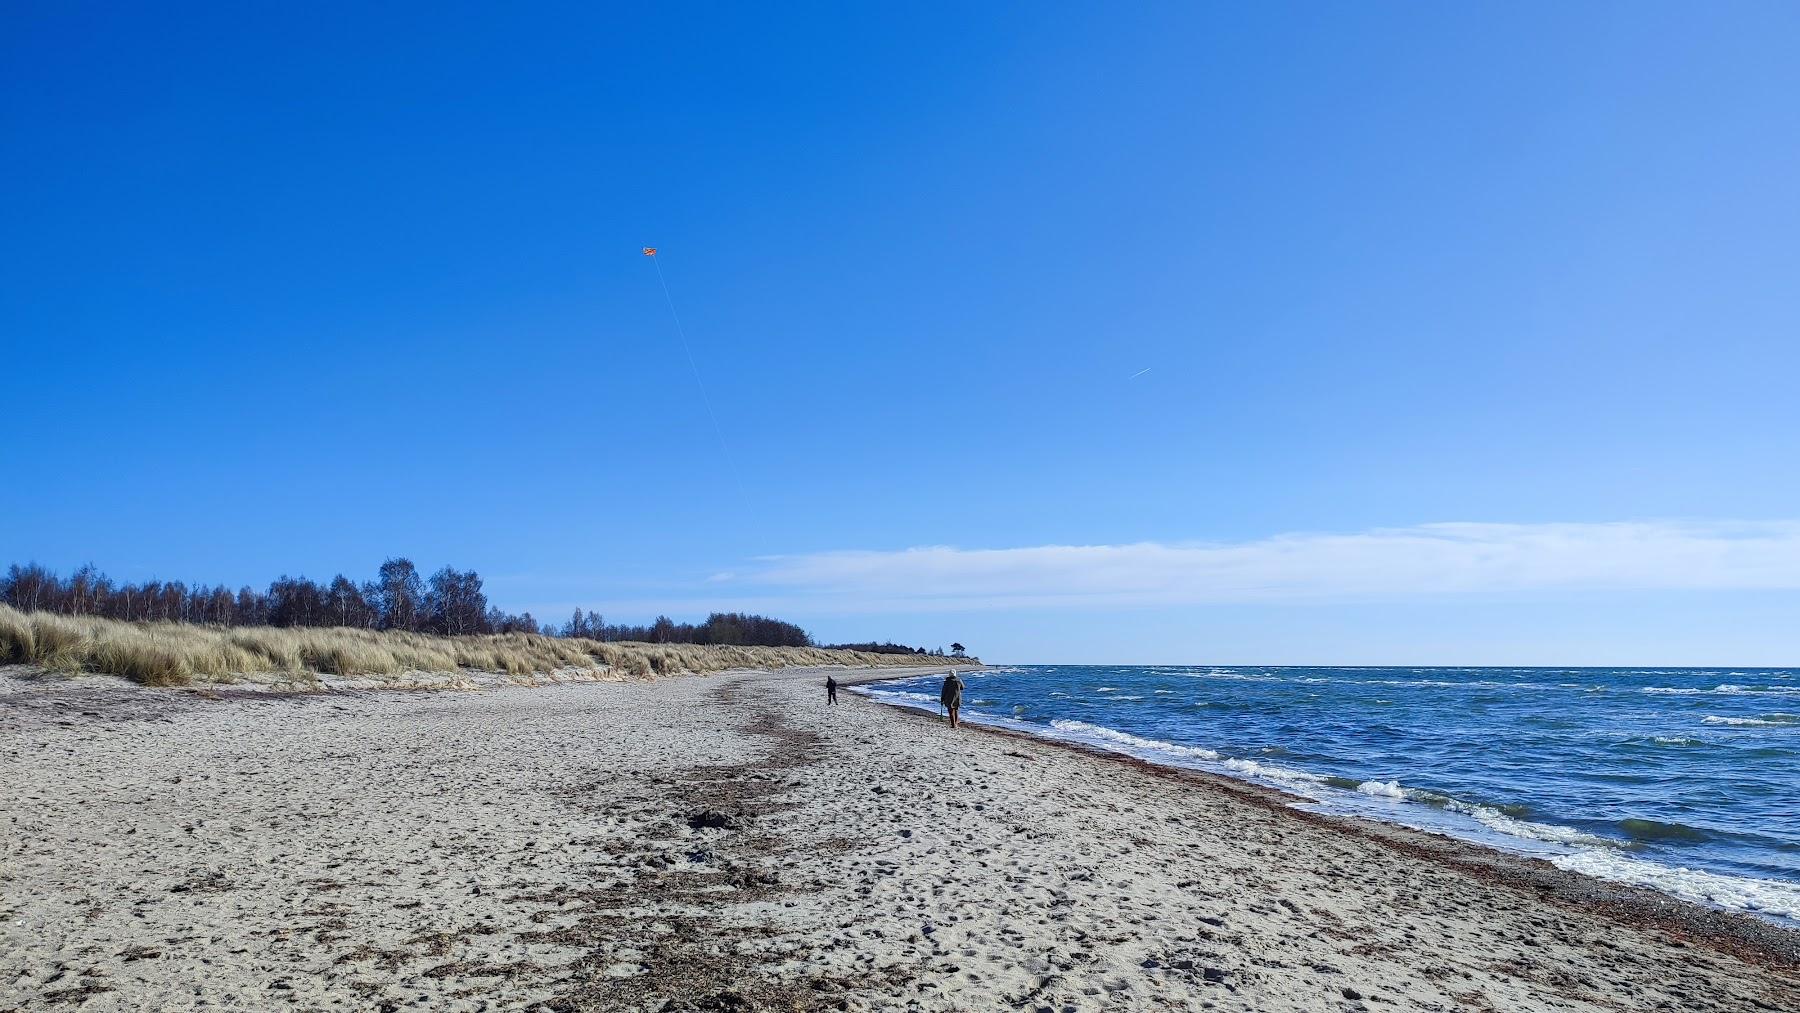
(1434, 683)
(1766, 721)
(1742, 893)
(1723, 689)
(1156, 749)
(1499, 822)
(902, 694)
(1219, 673)
(1385, 789)
(1286, 776)
(1101, 735)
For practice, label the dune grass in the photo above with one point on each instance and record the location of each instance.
(179, 654)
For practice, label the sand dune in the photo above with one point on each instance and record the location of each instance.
(306, 657)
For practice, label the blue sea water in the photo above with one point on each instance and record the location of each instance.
(1684, 780)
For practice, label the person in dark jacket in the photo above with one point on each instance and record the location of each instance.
(830, 689)
(951, 696)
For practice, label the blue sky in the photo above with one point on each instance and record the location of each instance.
(295, 291)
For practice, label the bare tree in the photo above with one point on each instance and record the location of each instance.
(400, 594)
(455, 604)
(346, 606)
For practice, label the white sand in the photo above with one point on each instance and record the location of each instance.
(527, 848)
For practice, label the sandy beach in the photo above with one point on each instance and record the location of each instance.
(732, 843)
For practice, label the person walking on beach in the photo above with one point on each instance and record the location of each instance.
(951, 696)
(830, 689)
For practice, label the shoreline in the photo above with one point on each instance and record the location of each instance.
(730, 842)
(1742, 934)
(1531, 849)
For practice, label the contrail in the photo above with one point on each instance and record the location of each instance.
(680, 331)
(1139, 373)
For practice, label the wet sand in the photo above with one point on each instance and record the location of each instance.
(731, 843)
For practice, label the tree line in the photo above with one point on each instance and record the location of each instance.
(449, 602)
(730, 628)
(885, 647)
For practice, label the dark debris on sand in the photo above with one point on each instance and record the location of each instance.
(698, 965)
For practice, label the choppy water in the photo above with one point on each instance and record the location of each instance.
(1685, 780)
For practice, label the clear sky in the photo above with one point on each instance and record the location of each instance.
(1074, 332)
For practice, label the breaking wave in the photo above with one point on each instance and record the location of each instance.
(1081, 731)
(1777, 720)
(1743, 893)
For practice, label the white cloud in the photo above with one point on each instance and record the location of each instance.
(1432, 559)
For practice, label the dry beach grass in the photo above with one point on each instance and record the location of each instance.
(179, 654)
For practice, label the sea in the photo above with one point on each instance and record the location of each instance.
(1685, 780)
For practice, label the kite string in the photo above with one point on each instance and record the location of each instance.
(694, 368)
